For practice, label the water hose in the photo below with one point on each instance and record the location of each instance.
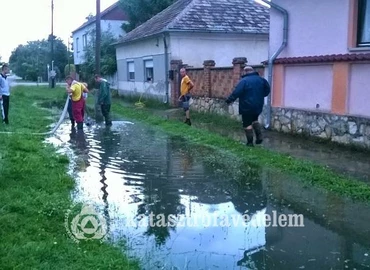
(61, 119)
(140, 104)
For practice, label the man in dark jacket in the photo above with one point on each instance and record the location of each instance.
(251, 91)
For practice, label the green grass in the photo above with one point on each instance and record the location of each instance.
(35, 196)
(306, 171)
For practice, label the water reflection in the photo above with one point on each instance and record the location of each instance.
(140, 177)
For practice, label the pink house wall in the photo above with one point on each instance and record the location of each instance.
(316, 27)
(359, 90)
(307, 93)
(319, 28)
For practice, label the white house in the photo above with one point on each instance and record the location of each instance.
(112, 19)
(191, 30)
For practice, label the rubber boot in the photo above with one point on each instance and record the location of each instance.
(80, 126)
(249, 134)
(258, 130)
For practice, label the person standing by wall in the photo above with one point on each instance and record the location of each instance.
(5, 93)
(104, 98)
(186, 86)
(251, 91)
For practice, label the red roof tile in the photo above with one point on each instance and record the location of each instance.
(323, 58)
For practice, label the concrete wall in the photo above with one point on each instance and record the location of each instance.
(316, 27)
(194, 48)
(138, 52)
(307, 94)
(359, 94)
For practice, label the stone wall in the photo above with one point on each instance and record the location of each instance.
(216, 106)
(335, 128)
(347, 130)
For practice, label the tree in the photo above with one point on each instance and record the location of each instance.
(139, 11)
(68, 69)
(29, 61)
(108, 56)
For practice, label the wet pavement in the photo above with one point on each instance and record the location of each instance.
(141, 180)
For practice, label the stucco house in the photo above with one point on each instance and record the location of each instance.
(112, 19)
(191, 30)
(320, 82)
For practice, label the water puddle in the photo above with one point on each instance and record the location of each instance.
(179, 206)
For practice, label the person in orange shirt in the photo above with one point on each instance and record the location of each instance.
(77, 90)
(186, 86)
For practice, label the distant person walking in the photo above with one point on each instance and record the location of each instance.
(186, 86)
(104, 98)
(5, 93)
(251, 91)
(77, 89)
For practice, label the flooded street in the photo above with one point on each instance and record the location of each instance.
(180, 206)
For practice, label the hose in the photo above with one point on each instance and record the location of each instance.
(140, 104)
(61, 119)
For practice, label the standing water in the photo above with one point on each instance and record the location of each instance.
(181, 206)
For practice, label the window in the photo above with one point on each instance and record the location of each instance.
(131, 71)
(84, 41)
(363, 27)
(148, 72)
(77, 49)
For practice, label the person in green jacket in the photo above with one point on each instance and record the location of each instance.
(104, 98)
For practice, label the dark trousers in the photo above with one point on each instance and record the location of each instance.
(105, 110)
(6, 108)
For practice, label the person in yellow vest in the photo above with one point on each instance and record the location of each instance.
(186, 86)
(77, 90)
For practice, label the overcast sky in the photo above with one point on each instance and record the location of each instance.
(26, 20)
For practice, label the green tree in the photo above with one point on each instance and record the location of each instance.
(108, 62)
(139, 11)
(29, 60)
(69, 68)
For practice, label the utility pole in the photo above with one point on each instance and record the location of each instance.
(98, 113)
(98, 38)
(52, 45)
(68, 55)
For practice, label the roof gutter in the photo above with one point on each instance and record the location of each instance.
(274, 56)
(166, 65)
(122, 43)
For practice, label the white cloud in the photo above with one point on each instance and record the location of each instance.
(26, 20)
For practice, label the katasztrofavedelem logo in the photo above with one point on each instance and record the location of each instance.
(85, 223)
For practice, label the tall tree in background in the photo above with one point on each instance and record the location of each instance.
(139, 11)
(29, 61)
(108, 62)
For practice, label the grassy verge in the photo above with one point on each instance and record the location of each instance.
(305, 170)
(35, 195)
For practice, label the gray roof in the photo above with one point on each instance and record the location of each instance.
(225, 16)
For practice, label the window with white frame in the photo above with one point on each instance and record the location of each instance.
(148, 70)
(84, 41)
(363, 23)
(131, 71)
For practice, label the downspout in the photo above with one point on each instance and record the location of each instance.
(274, 56)
(166, 63)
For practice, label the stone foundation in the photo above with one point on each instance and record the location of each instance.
(216, 106)
(347, 130)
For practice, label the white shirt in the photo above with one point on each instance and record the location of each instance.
(4, 86)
